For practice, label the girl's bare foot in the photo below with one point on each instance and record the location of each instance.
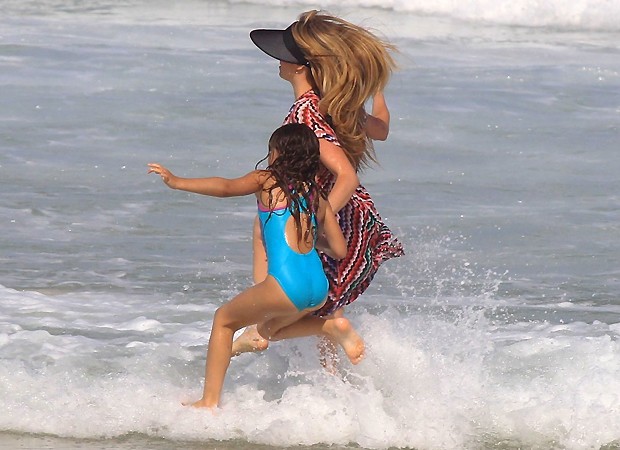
(341, 330)
(202, 403)
(249, 341)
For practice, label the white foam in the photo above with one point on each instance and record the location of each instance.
(429, 381)
(578, 14)
(581, 14)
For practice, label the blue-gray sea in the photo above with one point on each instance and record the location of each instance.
(500, 327)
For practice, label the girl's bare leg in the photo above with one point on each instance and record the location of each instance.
(218, 360)
(250, 340)
(337, 329)
(264, 300)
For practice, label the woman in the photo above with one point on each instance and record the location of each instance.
(334, 68)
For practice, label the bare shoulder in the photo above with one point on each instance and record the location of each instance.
(264, 178)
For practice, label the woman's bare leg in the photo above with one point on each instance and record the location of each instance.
(259, 255)
(250, 340)
(328, 348)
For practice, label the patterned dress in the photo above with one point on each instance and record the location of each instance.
(369, 240)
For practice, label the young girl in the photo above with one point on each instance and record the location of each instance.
(295, 219)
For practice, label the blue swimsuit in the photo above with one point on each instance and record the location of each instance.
(300, 275)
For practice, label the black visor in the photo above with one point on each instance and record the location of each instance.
(279, 44)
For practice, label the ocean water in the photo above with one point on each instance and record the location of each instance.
(498, 329)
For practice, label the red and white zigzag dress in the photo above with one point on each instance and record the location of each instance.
(369, 240)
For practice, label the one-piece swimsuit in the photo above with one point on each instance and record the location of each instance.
(300, 275)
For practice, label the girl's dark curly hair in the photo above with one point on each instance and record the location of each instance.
(294, 170)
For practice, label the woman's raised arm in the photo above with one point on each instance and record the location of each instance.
(378, 123)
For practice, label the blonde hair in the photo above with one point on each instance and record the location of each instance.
(349, 65)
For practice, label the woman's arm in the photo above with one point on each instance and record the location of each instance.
(330, 238)
(378, 124)
(212, 186)
(336, 161)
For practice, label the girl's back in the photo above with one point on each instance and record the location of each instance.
(287, 210)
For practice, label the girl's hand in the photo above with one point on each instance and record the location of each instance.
(160, 170)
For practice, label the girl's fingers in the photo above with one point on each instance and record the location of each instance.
(155, 168)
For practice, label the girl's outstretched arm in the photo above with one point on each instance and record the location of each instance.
(212, 186)
(378, 124)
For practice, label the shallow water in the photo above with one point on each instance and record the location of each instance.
(498, 329)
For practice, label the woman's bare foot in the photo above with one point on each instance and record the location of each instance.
(328, 354)
(342, 331)
(249, 341)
